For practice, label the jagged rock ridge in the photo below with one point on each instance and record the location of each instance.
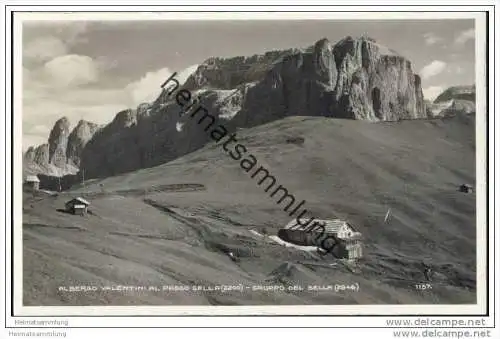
(458, 93)
(355, 79)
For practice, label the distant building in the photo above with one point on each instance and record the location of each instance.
(465, 188)
(349, 241)
(32, 182)
(77, 206)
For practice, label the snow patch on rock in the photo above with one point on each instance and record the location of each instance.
(178, 126)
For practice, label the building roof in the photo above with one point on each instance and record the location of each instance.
(331, 225)
(32, 178)
(80, 200)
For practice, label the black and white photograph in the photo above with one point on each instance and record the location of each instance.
(250, 165)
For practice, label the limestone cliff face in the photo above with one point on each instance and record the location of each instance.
(142, 138)
(58, 142)
(375, 83)
(29, 155)
(113, 145)
(41, 155)
(301, 83)
(36, 161)
(228, 73)
(355, 79)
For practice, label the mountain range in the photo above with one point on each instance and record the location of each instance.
(356, 78)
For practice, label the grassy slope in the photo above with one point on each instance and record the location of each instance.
(351, 169)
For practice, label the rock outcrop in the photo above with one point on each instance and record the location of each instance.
(375, 83)
(228, 73)
(301, 83)
(42, 154)
(77, 140)
(38, 155)
(113, 147)
(454, 100)
(29, 155)
(61, 155)
(133, 140)
(58, 142)
(356, 78)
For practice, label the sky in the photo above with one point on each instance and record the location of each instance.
(93, 69)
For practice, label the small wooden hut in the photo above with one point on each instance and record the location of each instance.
(77, 206)
(32, 182)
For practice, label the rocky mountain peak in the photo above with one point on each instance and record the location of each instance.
(61, 125)
(143, 111)
(42, 154)
(61, 155)
(77, 140)
(29, 155)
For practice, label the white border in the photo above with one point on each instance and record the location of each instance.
(300, 310)
(313, 13)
